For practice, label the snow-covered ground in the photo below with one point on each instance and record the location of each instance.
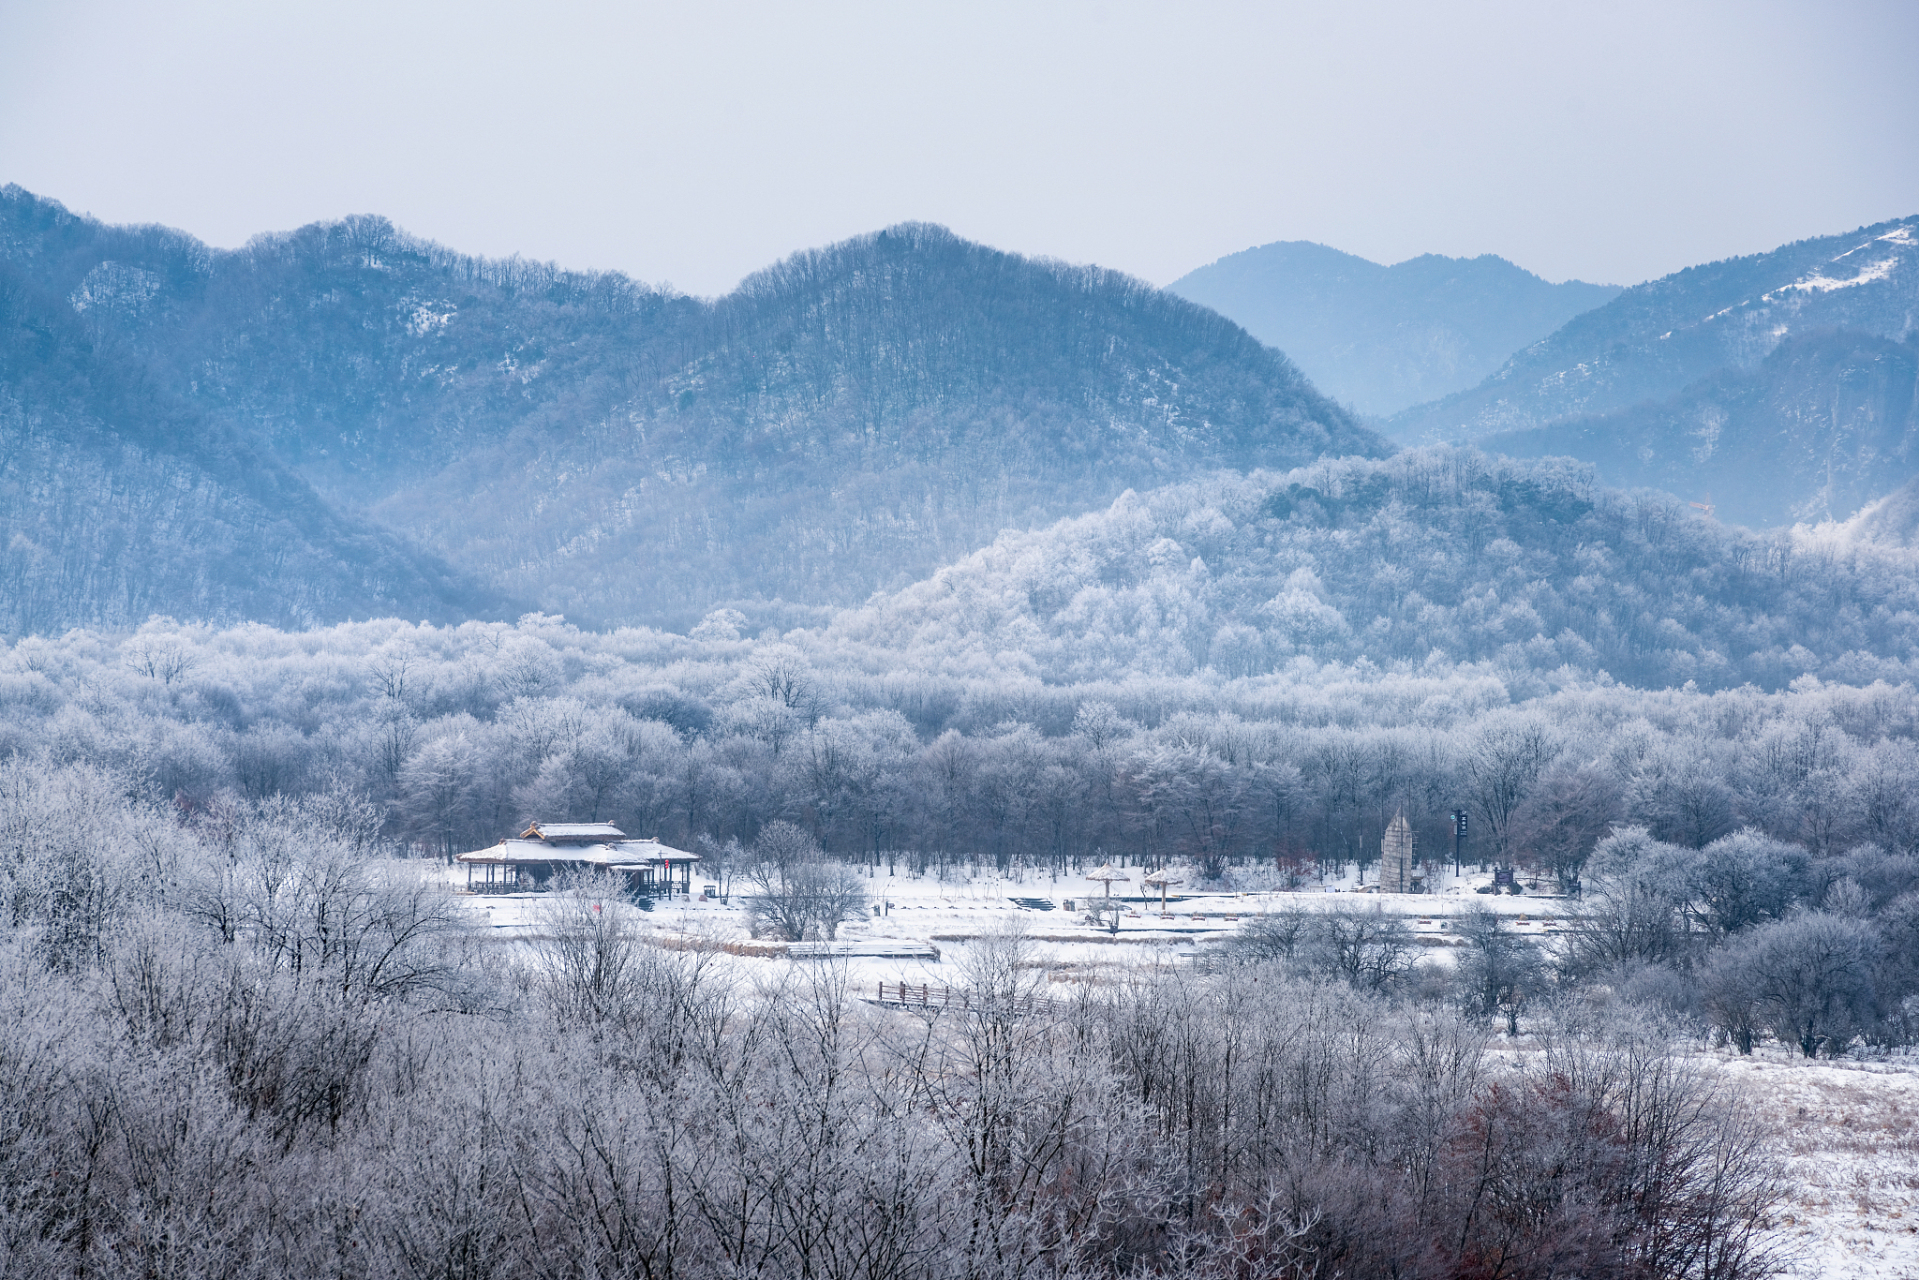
(1849, 1135)
(954, 912)
(1847, 1131)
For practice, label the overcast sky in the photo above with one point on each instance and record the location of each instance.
(694, 143)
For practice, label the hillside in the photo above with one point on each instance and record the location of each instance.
(861, 414)
(1828, 422)
(1891, 521)
(1668, 356)
(1383, 338)
(846, 420)
(1434, 556)
(118, 502)
(1655, 339)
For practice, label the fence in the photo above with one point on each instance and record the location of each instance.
(924, 995)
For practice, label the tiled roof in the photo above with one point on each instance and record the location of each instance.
(574, 831)
(617, 853)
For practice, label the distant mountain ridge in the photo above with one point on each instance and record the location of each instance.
(1778, 381)
(1657, 338)
(1383, 338)
(871, 410)
(846, 420)
(1829, 422)
(118, 501)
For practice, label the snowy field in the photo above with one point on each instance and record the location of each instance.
(956, 911)
(1849, 1135)
(1848, 1132)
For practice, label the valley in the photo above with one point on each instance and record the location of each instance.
(924, 600)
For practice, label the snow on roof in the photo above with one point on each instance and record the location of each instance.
(573, 831)
(615, 855)
(650, 851)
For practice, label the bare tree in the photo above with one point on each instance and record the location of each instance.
(1563, 818)
(1500, 971)
(798, 893)
(1501, 768)
(1813, 978)
(1369, 949)
(591, 957)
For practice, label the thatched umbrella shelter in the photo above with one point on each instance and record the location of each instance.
(1162, 879)
(1108, 873)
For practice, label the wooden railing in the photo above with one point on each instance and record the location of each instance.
(924, 995)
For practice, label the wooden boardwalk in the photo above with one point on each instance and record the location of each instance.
(875, 949)
(937, 999)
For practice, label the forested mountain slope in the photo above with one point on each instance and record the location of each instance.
(1692, 381)
(860, 414)
(846, 420)
(1828, 422)
(1658, 338)
(117, 501)
(363, 358)
(1384, 338)
(1891, 521)
(1434, 555)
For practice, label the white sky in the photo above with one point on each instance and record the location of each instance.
(693, 143)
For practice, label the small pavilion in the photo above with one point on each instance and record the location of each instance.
(546, 849)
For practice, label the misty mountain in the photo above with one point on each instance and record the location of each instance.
(1435, 558)
(1777, 382)
(1384, 338)
(1656, 339)
(117, 501)
(1793, 397)
(844, 421)
(1826, 423)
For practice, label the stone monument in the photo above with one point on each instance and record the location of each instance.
(1396, 870)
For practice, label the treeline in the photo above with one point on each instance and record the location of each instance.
(1746, 939)
(237, 1046)
(1714, 837)
(460, 735)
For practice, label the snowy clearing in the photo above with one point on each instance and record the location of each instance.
(1848, 1133)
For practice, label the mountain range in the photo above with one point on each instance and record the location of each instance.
(1380, 338)
(118, 500)
(1782, 384)
(843, 421)
(1826, 423)
(347, 421)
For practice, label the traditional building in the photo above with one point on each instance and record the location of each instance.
(546, 849)
(1397, 871)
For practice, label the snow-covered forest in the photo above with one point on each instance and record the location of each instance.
(255, 1022)
(240, 1050)
(1254, 673)
(247, 1031)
